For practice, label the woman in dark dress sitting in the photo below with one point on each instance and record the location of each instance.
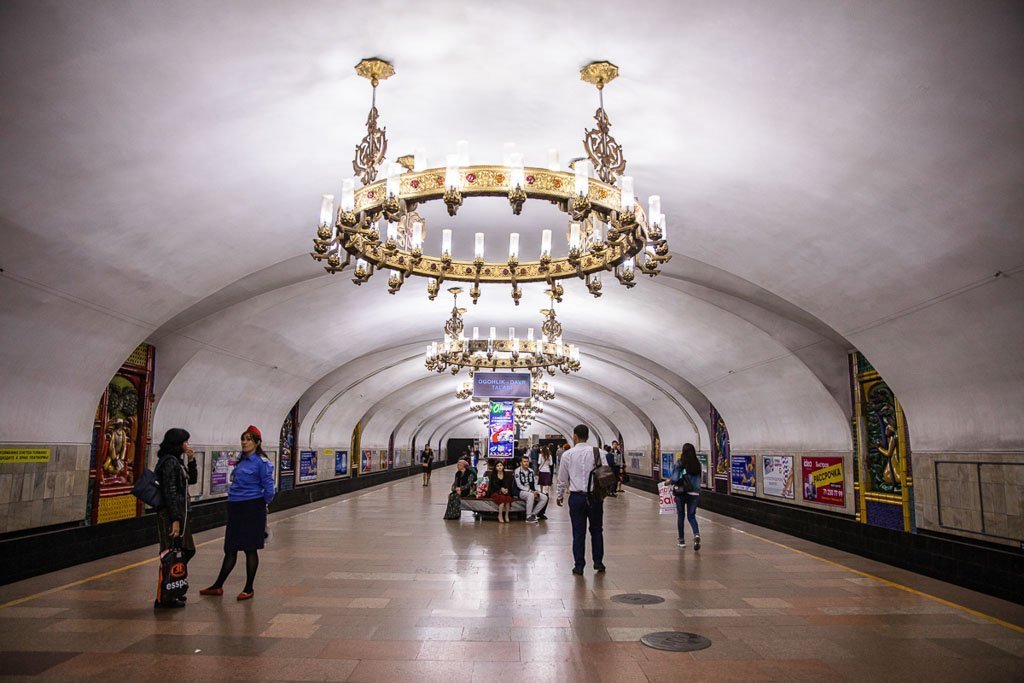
(500, 487)
(465, 477)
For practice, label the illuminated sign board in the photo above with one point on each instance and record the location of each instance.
(501, 384)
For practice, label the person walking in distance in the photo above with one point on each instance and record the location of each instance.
(685, 482)
(426, 460)
(575, 475)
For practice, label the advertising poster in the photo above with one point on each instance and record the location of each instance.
(340, 463)
(634, 460)
(307, 465)
(744, 476)
(667, 461)
(778, 476)
(705, 476)
(823, 480)
(500, 427)
(383, 460)
(221, 465)
(367, 461)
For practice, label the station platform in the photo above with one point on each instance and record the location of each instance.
(375, 585)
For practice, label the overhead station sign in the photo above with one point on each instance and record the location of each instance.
(501, 385)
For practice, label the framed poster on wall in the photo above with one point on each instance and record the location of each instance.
(307, 465)
(823, 480)
(744, 476)
(222, 464)
(778, 476)
(340, 463)
(383, 460)
(667, 461)
(705, 475)
(367, 461)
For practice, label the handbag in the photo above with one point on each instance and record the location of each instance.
(173, 574)
(682, 487)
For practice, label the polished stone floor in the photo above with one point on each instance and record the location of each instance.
(375, 586)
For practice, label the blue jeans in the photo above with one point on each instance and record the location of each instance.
(686, 510)
(582, 510)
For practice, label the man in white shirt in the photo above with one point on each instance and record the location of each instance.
(535, 500)
(574, 476)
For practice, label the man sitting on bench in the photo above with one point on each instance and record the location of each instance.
(534, 499)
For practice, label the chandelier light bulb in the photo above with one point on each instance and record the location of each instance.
(664, 229)
(451, 174)
(419, 162)
(507, 150)
(628, 265)
(516, 175)
(598, 230)
(326, 209)
(494, 334)
(462, 150)
(446, 242)
(627, 199)
(392, 231)
(653, 206)
(529, 335)
(545, 243)
(417, 235)
(511, 333)
(348, 194)
(394, 181)
(553, 164)
(476, 333)
(574, 235)
(582, 171)
(478, 245)
(361, 264)
(513, 245)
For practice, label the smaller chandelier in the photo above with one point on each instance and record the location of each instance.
(548, 354)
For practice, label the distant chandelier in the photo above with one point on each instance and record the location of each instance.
(456, 352)
(377, 223)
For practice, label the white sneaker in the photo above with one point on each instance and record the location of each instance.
(682, 544)
(531, 518)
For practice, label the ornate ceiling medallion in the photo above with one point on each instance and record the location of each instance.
(377, 224)
(456, 352)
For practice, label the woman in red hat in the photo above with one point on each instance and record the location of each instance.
(252, 488)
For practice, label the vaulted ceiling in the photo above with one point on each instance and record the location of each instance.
(835, 176)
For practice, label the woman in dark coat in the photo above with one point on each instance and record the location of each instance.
(251, 490)
(175, 470)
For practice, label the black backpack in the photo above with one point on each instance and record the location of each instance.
(601, 478)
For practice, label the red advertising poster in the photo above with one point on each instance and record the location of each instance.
(823, 480)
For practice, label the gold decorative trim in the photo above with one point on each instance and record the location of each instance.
(599, 73)
(375, 70)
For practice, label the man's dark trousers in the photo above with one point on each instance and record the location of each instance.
(584, 511)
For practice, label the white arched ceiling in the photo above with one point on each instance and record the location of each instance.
(847, 177)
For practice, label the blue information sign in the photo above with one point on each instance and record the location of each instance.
(501, 430)
(501, 385)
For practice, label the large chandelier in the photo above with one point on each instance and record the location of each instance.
(377, 224)
(547, 354)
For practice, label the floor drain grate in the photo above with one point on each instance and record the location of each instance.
(637, 599)
(675, 641)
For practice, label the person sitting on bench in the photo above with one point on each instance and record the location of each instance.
(534, 499)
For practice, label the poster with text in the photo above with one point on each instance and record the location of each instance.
(823, 480)
(667, 461)
(340, 463)
(705, 476)
(307, 465)
(778, 476)
(367, 461)
(634, 461)
(222, 464)
(744, 477)
(500, 426)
